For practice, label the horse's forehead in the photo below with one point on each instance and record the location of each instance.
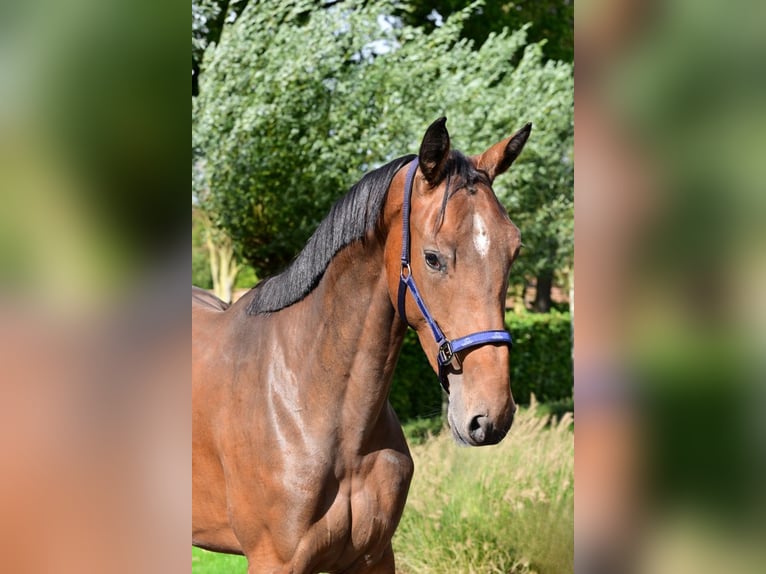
(478, 213)
(482, 240)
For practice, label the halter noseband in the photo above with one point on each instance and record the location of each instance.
(448, 349)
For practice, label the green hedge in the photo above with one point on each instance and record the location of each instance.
(541, 363)
(415, 392)
(541, 359)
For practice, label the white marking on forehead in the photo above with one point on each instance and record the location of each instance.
(480, 235)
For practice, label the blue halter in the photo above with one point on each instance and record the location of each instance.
(448, 349)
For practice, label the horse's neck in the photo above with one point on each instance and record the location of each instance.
(351, 338)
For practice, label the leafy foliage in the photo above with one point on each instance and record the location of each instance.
(415, 391)
(541, 360)
(208, 19)
(296, 102)
(552, 21)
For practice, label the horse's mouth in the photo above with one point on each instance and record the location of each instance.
(458, 437)
(491, 437)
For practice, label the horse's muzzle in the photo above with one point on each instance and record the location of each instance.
(482, 431)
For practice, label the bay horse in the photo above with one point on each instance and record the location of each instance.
(299, 462)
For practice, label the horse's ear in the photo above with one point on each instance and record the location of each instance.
(434, 151)
(500, 156)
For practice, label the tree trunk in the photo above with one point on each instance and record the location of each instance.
(542, 302)
(223, 266)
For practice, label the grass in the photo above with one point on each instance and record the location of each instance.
(506, 509)
(204, 562)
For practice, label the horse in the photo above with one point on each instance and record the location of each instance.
(299, 461)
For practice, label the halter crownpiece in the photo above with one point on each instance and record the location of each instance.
(448, 349)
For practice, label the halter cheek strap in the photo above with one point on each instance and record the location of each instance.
(448, 349)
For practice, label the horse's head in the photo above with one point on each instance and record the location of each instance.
(461, 247)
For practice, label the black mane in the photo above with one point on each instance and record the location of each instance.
(349, 220)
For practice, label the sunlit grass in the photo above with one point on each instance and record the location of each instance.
(204, 562)
(506, 509)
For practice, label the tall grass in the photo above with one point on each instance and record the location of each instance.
(502, 509)
(505, 509)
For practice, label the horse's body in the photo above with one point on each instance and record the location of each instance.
(299, 461)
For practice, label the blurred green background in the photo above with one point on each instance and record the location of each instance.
(671, 319)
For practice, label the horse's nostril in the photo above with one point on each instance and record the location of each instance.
(478, 427)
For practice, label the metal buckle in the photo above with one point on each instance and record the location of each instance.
(445, 353)
(404, 276)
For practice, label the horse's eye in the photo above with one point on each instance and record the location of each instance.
(432, 260)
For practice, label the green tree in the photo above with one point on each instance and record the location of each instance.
(208, 19)
(296, 102)
(552, 21)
